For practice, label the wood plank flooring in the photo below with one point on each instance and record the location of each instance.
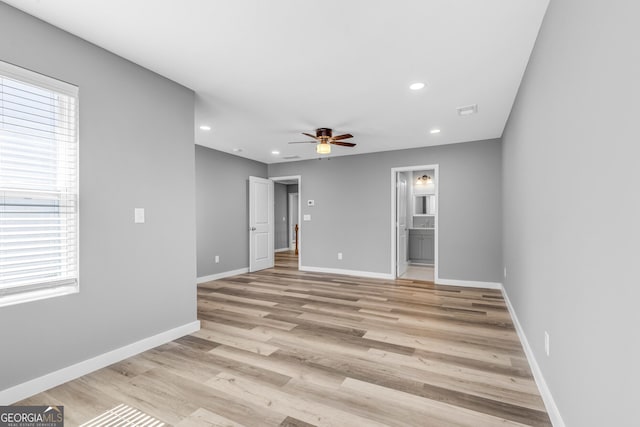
(287, 348)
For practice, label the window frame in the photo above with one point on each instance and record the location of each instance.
(50, 289)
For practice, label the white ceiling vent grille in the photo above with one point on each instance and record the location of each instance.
(467, 110)
(291, 157)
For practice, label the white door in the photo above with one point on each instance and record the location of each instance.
(401, 221)
(261, 224)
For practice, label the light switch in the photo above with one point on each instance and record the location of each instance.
(307, 218)
(138, 215)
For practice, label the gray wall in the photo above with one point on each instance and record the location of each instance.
(352, 214)
(136, 150)
(572, 208)
(280, 215)
(222, 209)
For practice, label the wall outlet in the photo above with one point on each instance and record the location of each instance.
(340, 256)
(546, 342)
(217, 259)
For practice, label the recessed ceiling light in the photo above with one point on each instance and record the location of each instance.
(237, 150)
(417, 86)
(434, 131)
(275, 152)
(205, 127)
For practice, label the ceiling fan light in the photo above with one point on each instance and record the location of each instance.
(323, 148)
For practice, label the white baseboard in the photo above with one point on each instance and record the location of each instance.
(61, 376)
(549, 403)
(282, 250)
(368, 274)
(468, 283)
(221, 275)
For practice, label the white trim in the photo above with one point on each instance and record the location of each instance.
(468, 283)
(368, 274)
(282, 250)
(61, 376)
(222, 275)
(35, 78)
(436, 174)
(547, 397)
(28, 296)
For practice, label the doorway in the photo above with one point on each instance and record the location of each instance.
(288, 245)
(414, 222)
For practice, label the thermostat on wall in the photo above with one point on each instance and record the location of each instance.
(311, 202)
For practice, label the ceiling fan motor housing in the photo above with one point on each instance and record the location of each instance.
(325, 133)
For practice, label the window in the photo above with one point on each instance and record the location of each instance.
(38, 186)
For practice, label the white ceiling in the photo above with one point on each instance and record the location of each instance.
(264, 71)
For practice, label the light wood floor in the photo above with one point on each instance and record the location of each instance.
(418, 272)
(287, 348)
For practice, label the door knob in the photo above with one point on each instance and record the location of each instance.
(252, 229)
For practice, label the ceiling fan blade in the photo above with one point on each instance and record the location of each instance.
(344, 144)
(309, 135)
(303, 142)
(339, 137)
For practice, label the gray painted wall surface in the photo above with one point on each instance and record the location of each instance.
(222, 209)
(352, 214)
(571, 233)
(280, 215)
(136, 150)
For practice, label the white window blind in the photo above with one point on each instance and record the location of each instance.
(38, 186)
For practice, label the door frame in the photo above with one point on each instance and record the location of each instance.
(398, 199)
(299, 179)
(394, 219)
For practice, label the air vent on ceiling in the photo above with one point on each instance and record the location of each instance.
(290, 157)
(467, 110)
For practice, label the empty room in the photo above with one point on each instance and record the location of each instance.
(319, 213)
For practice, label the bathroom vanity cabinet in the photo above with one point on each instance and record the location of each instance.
(421, 246)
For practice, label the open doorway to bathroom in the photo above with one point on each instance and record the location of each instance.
(415, 222)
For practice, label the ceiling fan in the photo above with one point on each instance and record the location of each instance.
(324, 137)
